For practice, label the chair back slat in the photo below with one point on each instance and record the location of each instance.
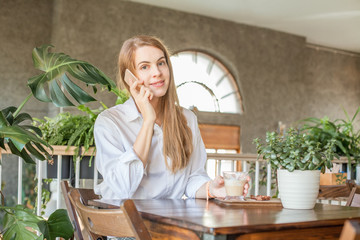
(354, 197)
(80, 231)
(350, 231)
(65, 188)
(87, 194)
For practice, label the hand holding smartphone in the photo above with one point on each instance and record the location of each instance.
(130, 77)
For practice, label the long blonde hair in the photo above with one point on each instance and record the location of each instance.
(177, 135)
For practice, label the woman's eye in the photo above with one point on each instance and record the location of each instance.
(162, 63)
(143, 67)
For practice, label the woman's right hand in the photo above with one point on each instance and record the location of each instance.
(142, 96)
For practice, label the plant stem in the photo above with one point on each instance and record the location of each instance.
(22, 104)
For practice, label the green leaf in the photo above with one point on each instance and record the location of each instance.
(23, 154)
(21, 117)
(57, 95)
(19, 136)
(80, 96)
(16, 223)
(122, 95)
(58, 225)
(34, 152)
(306, 158)
(55, 67)
(290, 168)
(32, 128)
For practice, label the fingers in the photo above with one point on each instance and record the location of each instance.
(246, 189)
(136, 86)
(137, 89)
(218, 181)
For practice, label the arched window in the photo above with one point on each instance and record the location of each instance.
(205, 83)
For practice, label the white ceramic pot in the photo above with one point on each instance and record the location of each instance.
(298, 189)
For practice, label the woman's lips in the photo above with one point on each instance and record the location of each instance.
(158, 84)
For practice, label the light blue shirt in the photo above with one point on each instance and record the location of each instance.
(124, 175)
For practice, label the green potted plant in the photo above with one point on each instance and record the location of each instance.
(25, 140)
(66, 129)
(75, 130)
(299, 161)
(342, 131)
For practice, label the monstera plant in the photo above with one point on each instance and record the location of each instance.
(54, 84)
(57, 69)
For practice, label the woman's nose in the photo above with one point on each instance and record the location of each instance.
(156, 71)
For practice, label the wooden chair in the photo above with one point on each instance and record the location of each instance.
(86, 194)
(65, 188)
(124, 222)
(350, 183)
(350, 231)
(354, 197)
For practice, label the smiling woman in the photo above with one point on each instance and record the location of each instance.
(150, 140)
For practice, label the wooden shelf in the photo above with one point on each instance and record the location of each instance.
(59, 150)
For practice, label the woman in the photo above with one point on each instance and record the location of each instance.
(150, 147)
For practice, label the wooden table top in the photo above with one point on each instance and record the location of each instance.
(212, 218)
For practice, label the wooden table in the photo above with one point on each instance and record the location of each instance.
(195, 219)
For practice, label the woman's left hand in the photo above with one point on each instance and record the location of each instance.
(217, 187)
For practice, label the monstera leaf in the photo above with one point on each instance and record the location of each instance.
(23, 140)
(58, 67)
(58, 225)
(21, 223)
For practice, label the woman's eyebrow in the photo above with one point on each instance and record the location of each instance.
(149, 61)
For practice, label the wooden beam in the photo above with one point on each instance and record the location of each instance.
(220, 137)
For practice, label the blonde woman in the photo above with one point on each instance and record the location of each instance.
(150, 147)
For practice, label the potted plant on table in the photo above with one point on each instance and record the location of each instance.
(299, 161)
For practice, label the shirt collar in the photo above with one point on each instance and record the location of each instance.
(130, 109)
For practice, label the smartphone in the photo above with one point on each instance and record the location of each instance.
(130, 77)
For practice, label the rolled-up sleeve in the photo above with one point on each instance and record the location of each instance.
(116, 160)
(198, 175)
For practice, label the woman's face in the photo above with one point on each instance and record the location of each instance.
(152, 69)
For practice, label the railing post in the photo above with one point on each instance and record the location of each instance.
(39, 172)
(232, 165)
(268, 180)
(59, 175)
(257, 173)
(219, 167)
(20, 170)
(244, 166)
(348, 169)
(77, 172)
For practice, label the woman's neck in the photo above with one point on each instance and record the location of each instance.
(156, 103)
